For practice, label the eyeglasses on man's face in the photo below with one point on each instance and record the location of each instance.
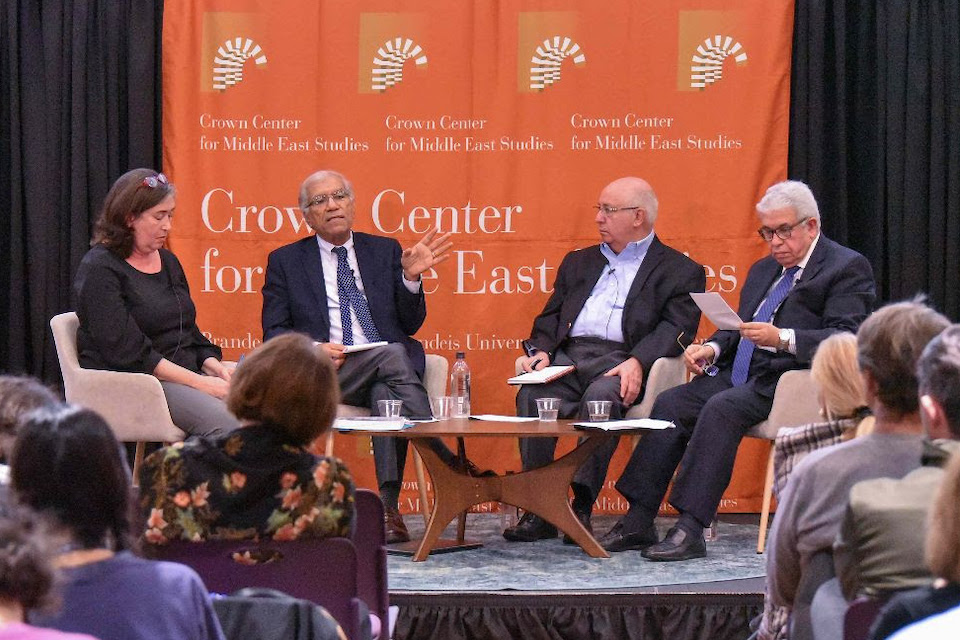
(324, 199)
(154, 181)
(608, 211)
(783, 232)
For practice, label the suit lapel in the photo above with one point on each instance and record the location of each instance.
(593, 267)
(313, 268)
(766, 274)
(371, 271)
(650, 262)
(815, 263)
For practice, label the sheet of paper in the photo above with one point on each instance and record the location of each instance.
(542, 376)
(353, 348)
(489, 417)
(717, 310)
(622, 425)
(372, 423)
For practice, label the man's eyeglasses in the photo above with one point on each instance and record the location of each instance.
(708, 368)
(321, 200)
(608, 211)
(783, 231)
(154, 181)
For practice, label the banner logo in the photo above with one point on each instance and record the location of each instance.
(707, 63)
(230, 58)
(547, 59)
(388, 63)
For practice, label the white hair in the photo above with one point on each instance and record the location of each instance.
(791, 194)
(321, 175)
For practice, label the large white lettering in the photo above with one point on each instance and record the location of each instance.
(219, 216)
(391, 216)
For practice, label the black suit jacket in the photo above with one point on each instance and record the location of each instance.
(835, 293)
(295, 299)
(658, 306)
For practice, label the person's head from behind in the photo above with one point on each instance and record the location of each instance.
(942, 549)
(839, 384)
(288, 383)
(68, 466)
(136, 213)
(18, 396)
(26, 570)
(889, 343)
(938, 373)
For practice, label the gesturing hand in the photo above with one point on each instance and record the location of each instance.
(428, 252)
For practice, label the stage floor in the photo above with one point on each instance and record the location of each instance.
(516, 590)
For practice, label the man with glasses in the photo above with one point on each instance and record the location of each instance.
(616, 307)
(807, 288)
(348, 288)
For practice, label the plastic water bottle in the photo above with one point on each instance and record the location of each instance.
(460, 387)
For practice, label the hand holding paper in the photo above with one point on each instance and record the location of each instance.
(717, 310)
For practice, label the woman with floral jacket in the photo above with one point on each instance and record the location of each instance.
(260, 481)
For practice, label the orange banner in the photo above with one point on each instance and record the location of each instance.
(498, 121)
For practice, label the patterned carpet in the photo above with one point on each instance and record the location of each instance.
(550, 565)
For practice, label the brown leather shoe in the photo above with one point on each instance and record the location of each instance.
(396, 530)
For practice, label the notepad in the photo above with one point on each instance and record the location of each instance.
(547, 374)
(353, 348)
(372, 423)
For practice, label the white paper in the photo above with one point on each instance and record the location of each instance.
(489, 417)
(372, 423)
(717, 310)
(623, 425)
(353, 348)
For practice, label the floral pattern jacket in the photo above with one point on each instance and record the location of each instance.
(247, 484)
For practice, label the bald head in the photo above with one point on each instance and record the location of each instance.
(627, 209)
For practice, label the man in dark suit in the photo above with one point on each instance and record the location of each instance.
(808, 288)
(616, 307)
(324, 285)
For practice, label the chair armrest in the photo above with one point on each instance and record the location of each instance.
(133, 404)
(665, 373)
(435, 375)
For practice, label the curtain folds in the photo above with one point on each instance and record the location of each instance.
(875, 130)
(79, 105)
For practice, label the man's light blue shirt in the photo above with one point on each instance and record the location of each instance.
(602, 313)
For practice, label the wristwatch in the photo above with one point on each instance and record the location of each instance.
(784, 344)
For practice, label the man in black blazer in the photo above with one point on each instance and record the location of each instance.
(616, 307)
(807, 288)
(313, 284)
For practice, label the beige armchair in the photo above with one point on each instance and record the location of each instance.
(794, 403)
(133, 404)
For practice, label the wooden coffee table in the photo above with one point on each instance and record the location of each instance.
(542, 491)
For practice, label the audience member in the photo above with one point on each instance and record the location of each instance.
(18, 396)
(135, 310)
(68, 466)
(842, 404)
(939, 372)
(260, 480)
(26, 578)
(799, 558)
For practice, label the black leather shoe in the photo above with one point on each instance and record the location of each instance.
(396, 530)
(530, 529)
(617, 539)
(472, 470)
(584, 518)
(679, 544)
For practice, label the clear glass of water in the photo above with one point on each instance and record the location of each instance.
(548, 409)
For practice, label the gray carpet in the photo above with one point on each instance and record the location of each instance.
(550, 565)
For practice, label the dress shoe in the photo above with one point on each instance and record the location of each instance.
(617, 539)
(396, 530)
(584, 518)
(530, 529)
(472, 470)
(679, 544)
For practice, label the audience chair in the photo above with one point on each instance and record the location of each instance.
(369, 538)
(859, 618)
(794, 403)
(266, 614)
(133, 404)
(321, 571)
(435, 382)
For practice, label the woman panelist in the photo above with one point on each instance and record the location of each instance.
(135, 309)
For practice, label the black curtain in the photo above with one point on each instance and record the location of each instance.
(875, 130)
(79, 105)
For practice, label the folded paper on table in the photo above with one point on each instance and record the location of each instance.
(717, 310)
(489, 417)
(372, 423)
(542, 376)
(626, 425)
(353, 348)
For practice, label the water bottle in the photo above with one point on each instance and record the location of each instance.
(460, 387)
